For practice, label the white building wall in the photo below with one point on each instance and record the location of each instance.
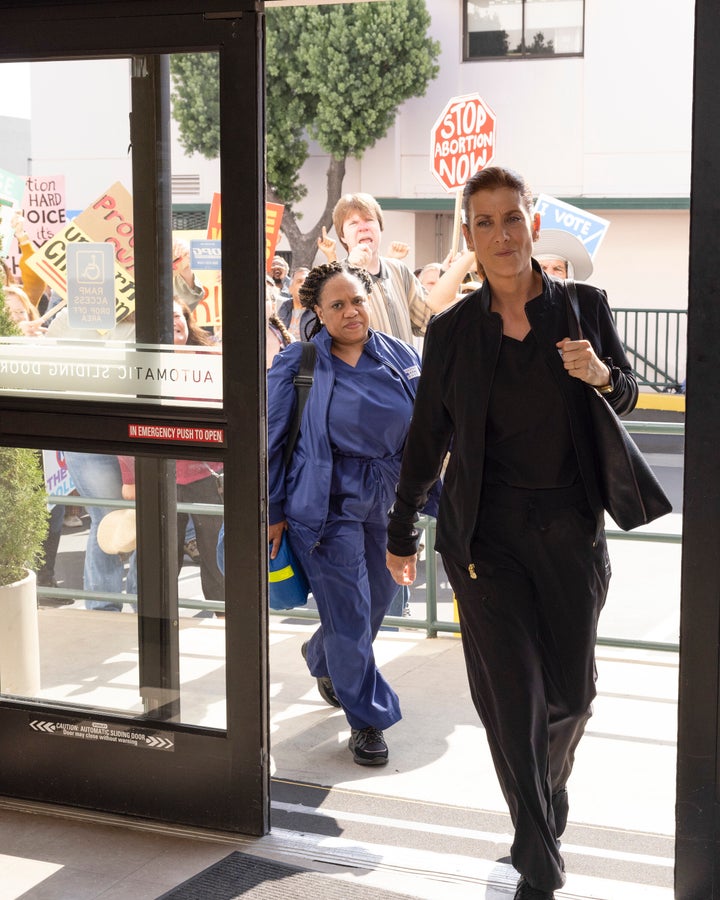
(615, 123)
(80, 125)
(612, 124)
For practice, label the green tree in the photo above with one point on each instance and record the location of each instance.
(336, 74)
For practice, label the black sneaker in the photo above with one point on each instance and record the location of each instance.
(368, 746)
(324, 684)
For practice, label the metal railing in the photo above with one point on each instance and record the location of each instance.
(655, 341)
(430, 624)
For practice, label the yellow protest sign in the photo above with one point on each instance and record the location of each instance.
(50, 263)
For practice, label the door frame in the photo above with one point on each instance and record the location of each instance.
(230, 790)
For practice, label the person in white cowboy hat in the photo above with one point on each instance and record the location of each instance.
(562, 255)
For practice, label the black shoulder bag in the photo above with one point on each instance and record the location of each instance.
(630, 491)
(303, 382)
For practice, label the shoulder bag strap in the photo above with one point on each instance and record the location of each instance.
(303, 382)
(573, 310)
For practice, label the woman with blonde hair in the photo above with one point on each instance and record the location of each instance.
(22, 312)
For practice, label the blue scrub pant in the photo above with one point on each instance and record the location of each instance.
(353, 589)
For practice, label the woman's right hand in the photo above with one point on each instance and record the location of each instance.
(402, 568)
(275, 537)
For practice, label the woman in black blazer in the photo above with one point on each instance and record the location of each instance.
(521, 523)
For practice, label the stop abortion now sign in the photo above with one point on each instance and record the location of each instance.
(462, 141)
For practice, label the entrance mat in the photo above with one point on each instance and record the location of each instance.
(241, 876)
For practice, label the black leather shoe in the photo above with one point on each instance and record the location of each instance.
(526, 892)
(324, 684)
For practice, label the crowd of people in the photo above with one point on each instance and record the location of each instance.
(488, 432)
(110, 563)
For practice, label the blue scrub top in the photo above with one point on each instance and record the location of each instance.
(368, 421)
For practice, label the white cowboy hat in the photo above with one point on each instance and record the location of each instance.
(116, 531)
(557, 243)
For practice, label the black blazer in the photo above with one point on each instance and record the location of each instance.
(461, 350)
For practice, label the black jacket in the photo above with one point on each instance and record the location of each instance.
(461, 351)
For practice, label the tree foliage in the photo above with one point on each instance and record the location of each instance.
(337, 75)
(196, 102)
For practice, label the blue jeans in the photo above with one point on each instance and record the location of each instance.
(98, 476)
(399, 601)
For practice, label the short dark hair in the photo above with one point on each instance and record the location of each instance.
(491, 179)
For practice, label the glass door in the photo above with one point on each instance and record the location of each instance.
(132, 678)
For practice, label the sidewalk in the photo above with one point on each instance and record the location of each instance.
(619, 842)
(432, 824)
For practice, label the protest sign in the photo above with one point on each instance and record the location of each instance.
(58, 482)
(588, 228)
(43, 207)
(50, 263)
(110, 219)
(214, 230)
(462, 140)
(273, 220)
(205, 254)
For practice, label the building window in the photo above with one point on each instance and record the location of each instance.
(523, 29)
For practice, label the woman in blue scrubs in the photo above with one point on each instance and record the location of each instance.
(334, 495)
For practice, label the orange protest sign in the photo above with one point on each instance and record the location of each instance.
(273, 220)
(214, 230)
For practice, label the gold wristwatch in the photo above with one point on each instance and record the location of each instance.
(607, 388)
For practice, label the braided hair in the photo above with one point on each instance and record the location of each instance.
(319, 276)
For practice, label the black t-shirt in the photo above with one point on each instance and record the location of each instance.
(528, 439)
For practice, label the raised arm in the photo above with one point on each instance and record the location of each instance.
(445, 292)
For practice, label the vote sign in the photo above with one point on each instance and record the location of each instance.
(587, 227)
(462, 141)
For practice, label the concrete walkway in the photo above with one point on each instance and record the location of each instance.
(431, 824)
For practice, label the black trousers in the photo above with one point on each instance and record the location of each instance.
(529, 624)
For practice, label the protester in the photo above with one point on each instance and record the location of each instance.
(294, 316)
(97, 475)
(429, 275)
(279, 273)
(398, 302)
(32, 283)
(521, 522)
(186, 287)
(334, 494)
(276, 334)
(562, 255)
(22, 312)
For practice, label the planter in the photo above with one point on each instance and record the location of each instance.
(19, 641)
